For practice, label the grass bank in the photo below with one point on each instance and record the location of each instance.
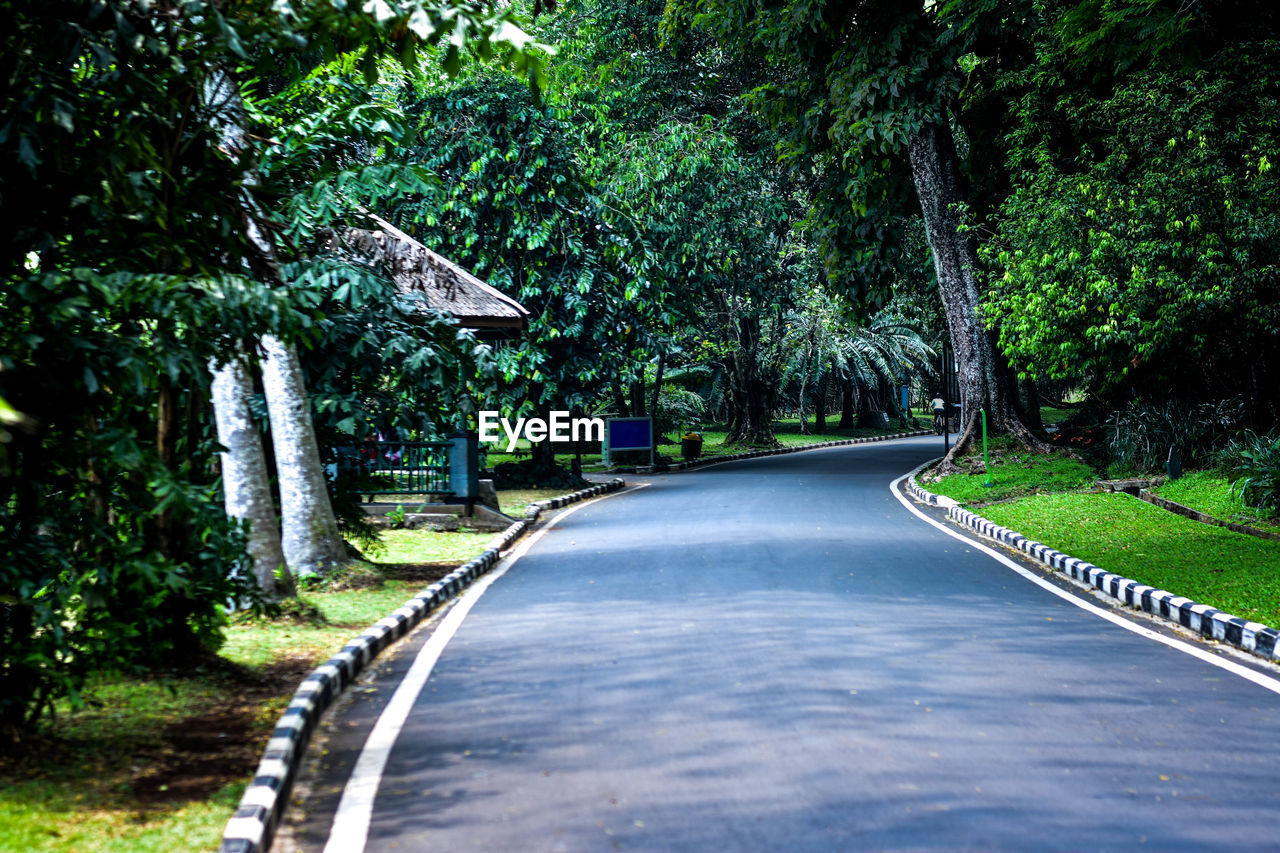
(1210, 492)
(1048, 497)
(1014, 473)
(159, 761)
(1128, 536)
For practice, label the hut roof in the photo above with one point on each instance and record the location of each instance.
(443, 284)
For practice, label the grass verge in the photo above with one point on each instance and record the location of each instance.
(1014, 473)
(1210, 493)
(159, 761)
(1125, 535)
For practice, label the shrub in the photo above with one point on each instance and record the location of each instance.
(1141, 433)
(1257, 468)
(678, 409)
(529, 474)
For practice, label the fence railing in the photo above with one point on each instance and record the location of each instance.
(396, 467)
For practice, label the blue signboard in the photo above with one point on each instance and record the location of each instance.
(629, 433)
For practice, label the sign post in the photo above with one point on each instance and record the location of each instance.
(628, 434)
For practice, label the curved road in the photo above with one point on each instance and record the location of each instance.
(776, 655)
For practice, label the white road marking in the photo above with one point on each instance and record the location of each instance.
(1244, 672)
(350, 830)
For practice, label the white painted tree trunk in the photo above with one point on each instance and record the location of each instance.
(311, 541)
(244, 478)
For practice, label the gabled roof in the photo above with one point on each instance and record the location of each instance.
(443, 284)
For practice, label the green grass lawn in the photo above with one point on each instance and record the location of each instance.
(158, 763)
(1210, 493)
(425, 546)
(514, 502)
(788, 433)
(1051, 415)
(1046, 497)
(1015, 473)
(1122, 534)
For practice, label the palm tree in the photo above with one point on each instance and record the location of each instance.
(864, 358)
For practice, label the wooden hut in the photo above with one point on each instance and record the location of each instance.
(438, 281)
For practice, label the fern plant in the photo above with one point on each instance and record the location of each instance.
(1258, 466)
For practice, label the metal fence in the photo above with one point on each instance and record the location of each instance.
(396, 467)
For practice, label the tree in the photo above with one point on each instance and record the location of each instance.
(1136, 252)
(135, 266)
(245, 482)
(506, 170)
(868, 94)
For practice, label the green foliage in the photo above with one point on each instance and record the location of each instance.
(1140, 434)
(1140, 250)
(1015, 474)
(1257, 467)
(118, 551)
(133, 268)
(678, 409)
(506, 171)
(1210, 492)
(846, 87)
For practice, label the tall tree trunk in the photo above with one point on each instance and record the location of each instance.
(936, 174)
(753, 393)
(637, 398)
(729, 399)
(311, 541)
(657, 385)
(620, 401)
(820, 404)
(889, 398)
(166, 444)
(848, 408)
(1027, 395)
(804, 428)
(245, 483)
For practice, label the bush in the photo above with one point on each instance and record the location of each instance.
(1140, 434)
(678, 409)
(529, 474)
(1257, 468)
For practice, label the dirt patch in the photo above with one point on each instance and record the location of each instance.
(201, 754)
(153, 764)
(426, 573)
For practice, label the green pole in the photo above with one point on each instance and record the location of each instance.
(986, 460)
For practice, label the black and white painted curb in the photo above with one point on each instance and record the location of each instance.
(253, 825)
(1206, 621)
(778, 451)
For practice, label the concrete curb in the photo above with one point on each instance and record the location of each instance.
(1203, 517)
(1209, 622)
(252, 827)
(916, 491)
(778, 451)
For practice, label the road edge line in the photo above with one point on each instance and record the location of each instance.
(1264, 681)
(349, 831)
(252, 826)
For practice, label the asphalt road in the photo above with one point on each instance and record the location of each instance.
(774, 655)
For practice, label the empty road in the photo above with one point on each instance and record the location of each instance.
(775, 655)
